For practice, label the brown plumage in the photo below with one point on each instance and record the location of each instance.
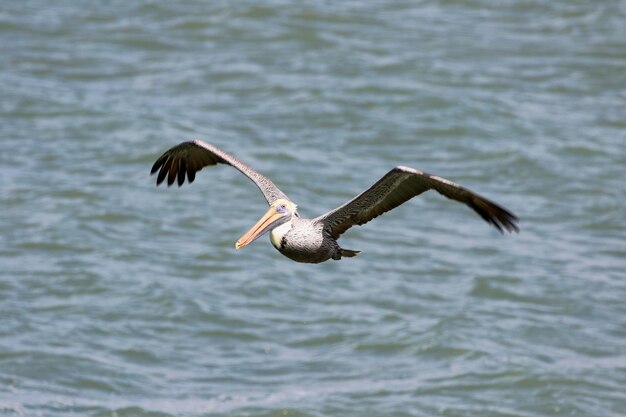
(315, 240)
(190, 157)
(399, 186)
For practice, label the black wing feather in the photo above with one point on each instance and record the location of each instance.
(400, 185)
(188, 158)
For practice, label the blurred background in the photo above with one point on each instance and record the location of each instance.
(118, 298)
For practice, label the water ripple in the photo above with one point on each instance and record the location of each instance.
(122, 299)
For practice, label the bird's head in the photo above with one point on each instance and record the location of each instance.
(280, 212)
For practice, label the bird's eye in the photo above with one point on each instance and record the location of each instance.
(283, 206)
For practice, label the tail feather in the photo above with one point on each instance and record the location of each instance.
(348, 253)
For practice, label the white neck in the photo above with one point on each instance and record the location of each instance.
(276, 235)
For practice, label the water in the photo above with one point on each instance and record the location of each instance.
(118, 298)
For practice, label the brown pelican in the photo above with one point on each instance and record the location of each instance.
(315, 240)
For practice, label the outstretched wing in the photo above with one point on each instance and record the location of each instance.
(400, 185)
(187, 158)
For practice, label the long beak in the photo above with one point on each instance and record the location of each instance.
(264, 225)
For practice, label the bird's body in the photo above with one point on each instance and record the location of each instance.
(303, 241)
(315, 240)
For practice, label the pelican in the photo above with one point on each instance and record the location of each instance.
(315, 240)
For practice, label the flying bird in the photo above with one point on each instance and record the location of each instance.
(315, 240)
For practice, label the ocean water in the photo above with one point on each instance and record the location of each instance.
(118, 298)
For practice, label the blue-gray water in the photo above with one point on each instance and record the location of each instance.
(118, 298)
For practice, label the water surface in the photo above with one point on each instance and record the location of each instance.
(118, 298)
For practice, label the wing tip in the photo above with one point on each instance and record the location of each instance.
(174, 168)
(496, 215)
(499, 217)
